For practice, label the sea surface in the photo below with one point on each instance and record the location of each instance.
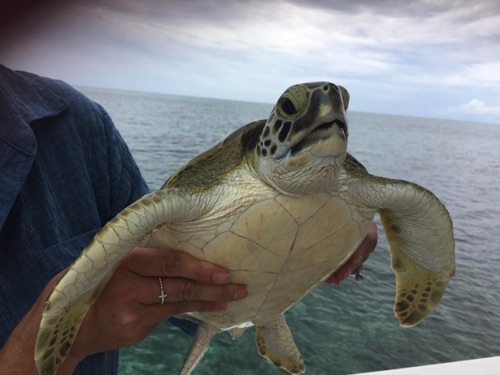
(349, 328)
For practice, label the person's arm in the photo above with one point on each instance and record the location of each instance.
(128, 308)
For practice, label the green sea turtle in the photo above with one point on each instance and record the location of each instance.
(282, 205)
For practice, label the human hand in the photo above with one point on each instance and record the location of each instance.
(128, 308)
(357, 259)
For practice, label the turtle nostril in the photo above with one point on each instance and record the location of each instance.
(326, 88)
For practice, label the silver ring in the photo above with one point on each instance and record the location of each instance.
(162, 295)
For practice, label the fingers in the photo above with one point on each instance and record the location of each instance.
(129, 306)
(170, 263)
(178, 290)
(189, 283)
(358, 258)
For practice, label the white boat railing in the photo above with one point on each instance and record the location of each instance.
(483, 366)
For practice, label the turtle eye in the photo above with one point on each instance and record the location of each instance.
(288, 107)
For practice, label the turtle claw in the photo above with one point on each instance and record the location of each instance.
(357, 273)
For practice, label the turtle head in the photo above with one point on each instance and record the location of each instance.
(304, 141)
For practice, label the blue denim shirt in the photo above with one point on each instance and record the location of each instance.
(64, 172)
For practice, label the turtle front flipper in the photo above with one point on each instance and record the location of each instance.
(58, 330)
(418, 289)
(419, 231)
(276, 344)
(80, 286)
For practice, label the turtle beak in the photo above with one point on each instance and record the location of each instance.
(343, 128)
(321, 132)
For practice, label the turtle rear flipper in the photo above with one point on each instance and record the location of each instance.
(204, 334)
(276, 344)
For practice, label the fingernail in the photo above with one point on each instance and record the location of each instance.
(240, 294)
(220, 277)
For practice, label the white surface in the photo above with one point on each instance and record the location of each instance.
(483, 366)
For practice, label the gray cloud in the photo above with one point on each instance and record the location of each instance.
(391, 54)
(417, 8)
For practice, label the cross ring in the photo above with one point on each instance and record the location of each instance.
(162, 295)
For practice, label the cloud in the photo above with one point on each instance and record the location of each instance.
(476, 106)
(414, 57)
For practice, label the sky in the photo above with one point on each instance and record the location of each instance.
(425, 58)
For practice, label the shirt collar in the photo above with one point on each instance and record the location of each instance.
(23, 100)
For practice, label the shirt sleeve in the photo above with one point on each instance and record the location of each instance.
(82, 174)
(125, 184)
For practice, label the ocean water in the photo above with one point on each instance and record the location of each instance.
(349, 328)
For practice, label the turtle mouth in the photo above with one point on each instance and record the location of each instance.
(323, 131)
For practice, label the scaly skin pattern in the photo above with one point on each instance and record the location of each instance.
(282, 205)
